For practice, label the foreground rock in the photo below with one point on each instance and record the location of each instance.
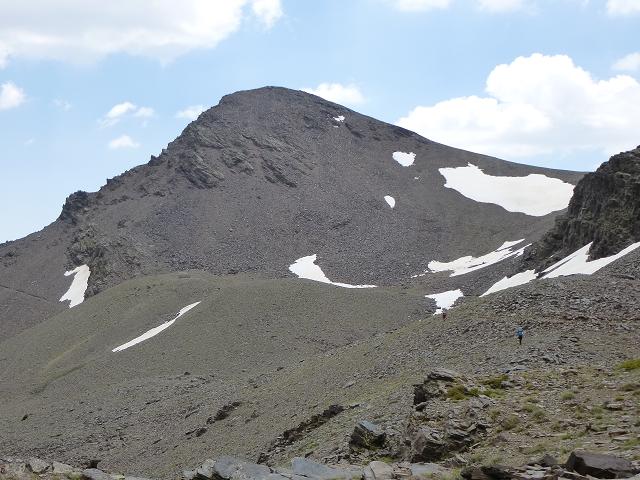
(600, 466)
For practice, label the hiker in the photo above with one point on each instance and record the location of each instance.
(520, 334)
(444, 314)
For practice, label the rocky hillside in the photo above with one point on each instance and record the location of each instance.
(604, 209)
(273, 175)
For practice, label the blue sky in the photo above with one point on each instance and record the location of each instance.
(552, 83)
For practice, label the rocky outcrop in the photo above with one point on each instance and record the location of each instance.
(600, 466)
(605, 210)
(367, 435)
(76, 204)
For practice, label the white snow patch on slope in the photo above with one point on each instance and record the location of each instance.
(404, 159)
(578, 262)
(305, 267)
(573, 264)
(534, 195)
(513, 281)
(390, 200)
(445, 299)
(339, 118)
(469, 263)
(78, 287)
(154, 331)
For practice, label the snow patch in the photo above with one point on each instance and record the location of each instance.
(78, 287)
(390, 200)
(339, 118)
(305, 267)
(578, 262)
(507, 282)
(534, 195)
(445, 299)
(156, 330)
(573, 264)
(469, 263)
(404, 159)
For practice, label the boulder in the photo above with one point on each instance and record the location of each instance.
(599, 465)
(443, 374)
(231, 468)
(378, 471)
(474, 473)
(497, 472)
(307, 468)
(367, 435)
(61, 468)
(427, 444)
(37, 465)
(95, 474)
(205, 471)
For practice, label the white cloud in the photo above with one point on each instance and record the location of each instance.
(11, 96)
(629, 62)
(123, 141)
(623, 7)
(144, 112)
(120, 110)
(500, 6)
(86, 30)
(267, 11)
(191, 112)
(419, 5)
(537, 105)
(338, 93)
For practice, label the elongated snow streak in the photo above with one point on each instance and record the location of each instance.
(445, 299)
(78, 287)
(578, 262)
(404, 159)
(154, 331)
(390, 200)
(305, 267)
(573, 264)
(469, 263)
(513, 281)
(339, 118)
(534, 195)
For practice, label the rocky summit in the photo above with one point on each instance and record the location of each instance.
(291, 289)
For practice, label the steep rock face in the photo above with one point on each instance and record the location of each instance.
(605, 210)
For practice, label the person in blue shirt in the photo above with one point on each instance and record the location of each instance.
(520, 334)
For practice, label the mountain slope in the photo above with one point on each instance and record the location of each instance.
(264, 178)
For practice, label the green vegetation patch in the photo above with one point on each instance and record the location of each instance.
(628, 365)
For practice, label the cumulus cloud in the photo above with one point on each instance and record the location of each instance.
(192, 112)
(267, 11)
(86, 30)
(121, 110)
(629, 63)
(537, 105)
(11, 96)
(123, 141)
(338, 93)
(623, 7)
(419, 5)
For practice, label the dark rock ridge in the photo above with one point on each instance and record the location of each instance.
(605, 210)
